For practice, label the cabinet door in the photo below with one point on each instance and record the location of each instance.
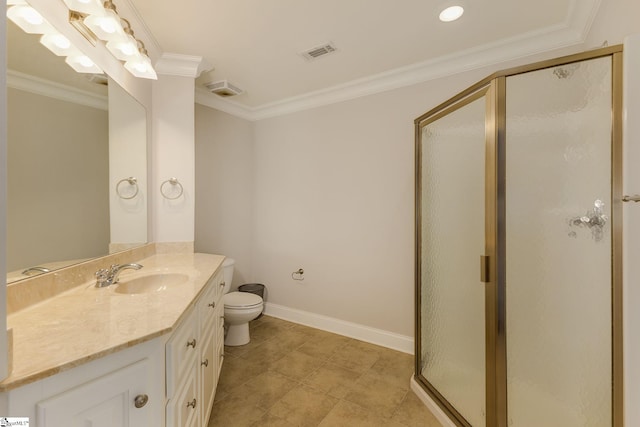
(207, 305)
(109, 401)
(183, 410)
(207, 375)
(181, 352)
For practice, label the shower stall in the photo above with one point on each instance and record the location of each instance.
(518, 247)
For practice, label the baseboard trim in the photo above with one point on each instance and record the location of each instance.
(380, 337)
(430, 404)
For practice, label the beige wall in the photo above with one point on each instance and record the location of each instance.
(224, 188)
(333, 192)
(56, 152)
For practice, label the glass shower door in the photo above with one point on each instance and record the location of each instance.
(452, 205)
(559, 246)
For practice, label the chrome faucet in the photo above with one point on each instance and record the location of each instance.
(106, 277)
(35, 270)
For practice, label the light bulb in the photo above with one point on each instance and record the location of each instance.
(32, 16)
(82, 64)
(85, 61)
(29, 20)
(127, 49)
(61, 41)
(108, 26)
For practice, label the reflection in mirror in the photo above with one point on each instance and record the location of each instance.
(63, 162)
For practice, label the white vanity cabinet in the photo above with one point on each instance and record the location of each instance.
(119, 398)
(123, 389)
(132, 379)
(193, 356)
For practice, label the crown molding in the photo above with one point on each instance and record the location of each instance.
(571, 32)
(175, 64)
(38, 86)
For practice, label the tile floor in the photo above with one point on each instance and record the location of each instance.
(293, 375)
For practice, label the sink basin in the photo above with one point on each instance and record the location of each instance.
(150, 283)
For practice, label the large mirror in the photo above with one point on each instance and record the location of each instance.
(74, 143)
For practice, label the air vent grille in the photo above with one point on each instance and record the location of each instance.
(319, 51)
(224, 88)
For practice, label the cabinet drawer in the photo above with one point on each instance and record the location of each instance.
(207, 305)
(181, 351)
(219, 284)
(184, 408)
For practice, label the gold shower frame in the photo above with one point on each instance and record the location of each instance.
(494, 88)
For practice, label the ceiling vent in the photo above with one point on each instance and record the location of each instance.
(319, 51)
(223, 88)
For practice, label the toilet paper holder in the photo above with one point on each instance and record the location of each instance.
(298, 275)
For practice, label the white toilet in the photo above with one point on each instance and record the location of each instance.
(239, 309)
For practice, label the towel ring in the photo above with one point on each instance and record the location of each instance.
(132, 182)
(173, 182)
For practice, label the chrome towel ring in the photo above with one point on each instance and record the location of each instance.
(133, 182)
(174, 184)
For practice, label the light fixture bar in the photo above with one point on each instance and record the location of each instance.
(76, 19)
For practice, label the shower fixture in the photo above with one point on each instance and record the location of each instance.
(565, 71)
(594, 219)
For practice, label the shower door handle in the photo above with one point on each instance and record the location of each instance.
(484, 269)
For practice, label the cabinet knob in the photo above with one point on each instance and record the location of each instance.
(191, 343)
(211, 304)
(205, 363)
(192, 404)
(140, 400)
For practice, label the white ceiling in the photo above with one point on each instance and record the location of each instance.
(255, 44)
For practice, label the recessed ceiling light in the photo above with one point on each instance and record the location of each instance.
(451, 13)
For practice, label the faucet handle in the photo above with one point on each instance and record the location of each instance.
(102, 273)
(102, 277)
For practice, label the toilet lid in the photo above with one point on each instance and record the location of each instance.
(241, 299)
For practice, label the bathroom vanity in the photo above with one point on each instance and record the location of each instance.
(144, 352)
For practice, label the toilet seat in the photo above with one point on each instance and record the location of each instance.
(241, 300)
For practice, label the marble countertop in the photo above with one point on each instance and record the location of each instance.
(86, 323)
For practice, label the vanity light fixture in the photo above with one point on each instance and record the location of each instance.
(451, 13)
(32, 22)
(117, 34)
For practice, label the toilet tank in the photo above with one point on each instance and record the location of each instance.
(227, 270)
